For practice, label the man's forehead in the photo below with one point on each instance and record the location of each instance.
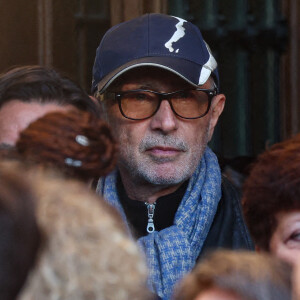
(148, 76)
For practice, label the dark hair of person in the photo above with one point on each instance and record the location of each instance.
(246, 274)
(20, 237)
(75, 142)
(272, 187)
(43, 85)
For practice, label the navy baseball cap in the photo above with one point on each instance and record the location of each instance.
(157, 40)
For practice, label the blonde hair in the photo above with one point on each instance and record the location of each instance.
(87, 253)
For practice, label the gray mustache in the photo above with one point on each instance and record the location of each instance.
(166, 141)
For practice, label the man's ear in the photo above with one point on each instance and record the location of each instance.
(217, 107)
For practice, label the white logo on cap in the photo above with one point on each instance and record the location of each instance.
(208, 67)
(178, 34)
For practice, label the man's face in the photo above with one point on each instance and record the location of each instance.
(16, 115)
(164, 149)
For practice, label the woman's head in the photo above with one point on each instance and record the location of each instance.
(76, 142)
(86, 252)
(237, 275)
(271, 192)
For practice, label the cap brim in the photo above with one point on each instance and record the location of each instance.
(185, 69)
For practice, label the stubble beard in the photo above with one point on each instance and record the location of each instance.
(162, 171)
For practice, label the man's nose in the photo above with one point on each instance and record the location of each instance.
(164, 120)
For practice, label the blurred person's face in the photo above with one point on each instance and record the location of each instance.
(285, 241)
(217, 294)
(163, 149)
(16, 115)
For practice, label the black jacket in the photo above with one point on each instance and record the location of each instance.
(228, 229)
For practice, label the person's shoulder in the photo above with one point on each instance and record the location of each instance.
(228, 229)
(230, 191)
(230, 203)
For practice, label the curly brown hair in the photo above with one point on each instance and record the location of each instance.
(273, 186)
(76, 142)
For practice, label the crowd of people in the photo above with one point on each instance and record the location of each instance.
(116, 195)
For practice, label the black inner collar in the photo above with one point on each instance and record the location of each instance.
(137, 213)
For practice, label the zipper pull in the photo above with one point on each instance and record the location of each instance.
(150, 225)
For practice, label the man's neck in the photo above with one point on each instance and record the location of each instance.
(144, 191)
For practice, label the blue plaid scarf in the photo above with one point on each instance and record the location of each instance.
(173, 251)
